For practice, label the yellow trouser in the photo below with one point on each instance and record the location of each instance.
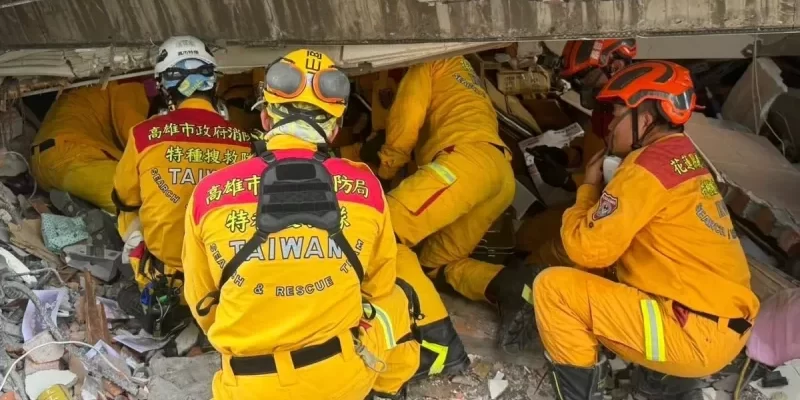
(76, 168)
(450, 204)
(344, 376)
(576, 311)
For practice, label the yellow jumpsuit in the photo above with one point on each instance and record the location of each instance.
(296, 289)
(662, 216)
(465, 180)
(163, 162)
(88, 128)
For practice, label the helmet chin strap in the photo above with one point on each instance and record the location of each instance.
(638, 141)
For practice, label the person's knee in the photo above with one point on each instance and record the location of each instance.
(550, 282)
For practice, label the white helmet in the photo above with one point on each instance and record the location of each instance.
(180, 48)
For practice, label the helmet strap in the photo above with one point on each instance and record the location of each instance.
(295, 114)
(637, 140)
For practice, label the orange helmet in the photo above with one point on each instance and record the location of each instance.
(667, 83)
(581, 55)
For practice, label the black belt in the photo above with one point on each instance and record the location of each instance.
(738, 325)
(45, 145)
(263, 365)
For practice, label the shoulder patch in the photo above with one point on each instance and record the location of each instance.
(672, 161)
(605, 207)
(188, 125)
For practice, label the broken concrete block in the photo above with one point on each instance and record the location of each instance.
(44, 354)
(727, 384)
(37, 383)
(751, 98)
(32, 367)
(180, 378)
(99, 261)
(617, 364)
(187, 338)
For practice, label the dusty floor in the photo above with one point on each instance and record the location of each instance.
(525, 372)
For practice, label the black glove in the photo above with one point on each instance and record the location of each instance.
(369, 151)
(552, 165)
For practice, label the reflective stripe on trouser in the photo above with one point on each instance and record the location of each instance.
(79, 169)
(576, 311)
(450, 204)
(344, 376)
(437, 330)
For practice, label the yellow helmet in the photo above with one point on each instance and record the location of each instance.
(307, 76)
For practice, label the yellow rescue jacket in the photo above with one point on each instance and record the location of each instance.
(296, 289)
(99, 118)
(663, 217)
(446, 97)
(163, 162)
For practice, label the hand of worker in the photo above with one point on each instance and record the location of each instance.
(594, 169)
(551, 162)
(369, 151)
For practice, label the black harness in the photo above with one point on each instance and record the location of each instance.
(292, 191)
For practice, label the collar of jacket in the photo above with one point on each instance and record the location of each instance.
(285, 142)
(200, 104)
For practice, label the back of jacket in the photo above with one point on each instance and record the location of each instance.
(297, 289)
(438, 104)
(163, 162)
(99, 118)
(663, 216)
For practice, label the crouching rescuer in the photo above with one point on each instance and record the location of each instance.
(293, 277)
(164, 159)
(682, 307)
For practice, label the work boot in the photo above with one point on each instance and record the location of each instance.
(652, 385)
(441, 350)
(401, 395)
(576, 383)
(510, 291)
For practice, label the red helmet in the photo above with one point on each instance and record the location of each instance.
(669, 84)
(581, 55)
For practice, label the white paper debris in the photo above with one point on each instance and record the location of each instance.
(141, 343)
(32, 322)
(497, 387)
(8, 260)
(791, 370)
(38, 382)
(112, 309)
(709, 393)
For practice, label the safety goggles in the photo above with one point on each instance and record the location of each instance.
(174, 74)
(285, 79)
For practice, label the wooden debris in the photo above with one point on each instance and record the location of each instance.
(767, 280)
(96, 324)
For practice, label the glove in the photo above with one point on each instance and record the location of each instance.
(369, 151)
(552, 165)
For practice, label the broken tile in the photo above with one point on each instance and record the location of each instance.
(497, 387)
(32, 367)
(112, 389)
(46, 353)
(9, 396)
(37, 383)
(187, 338)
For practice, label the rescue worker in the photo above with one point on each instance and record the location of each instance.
(661, 214)
(165, 158)
(587, 65)
(83, 137)
(464, 183)
(292, 276)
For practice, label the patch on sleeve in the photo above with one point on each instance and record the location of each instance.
(607, 205)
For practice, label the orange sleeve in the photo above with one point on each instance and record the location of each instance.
(598, 229)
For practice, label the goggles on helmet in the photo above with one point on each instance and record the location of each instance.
(174, 73)
(284, 79)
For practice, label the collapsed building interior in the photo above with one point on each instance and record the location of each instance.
(747, 132)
